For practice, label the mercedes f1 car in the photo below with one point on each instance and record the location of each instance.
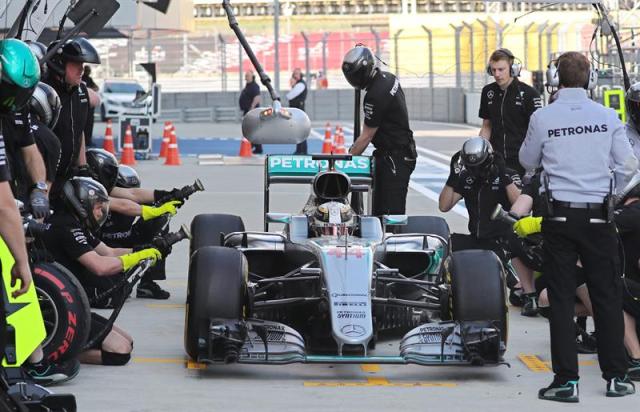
(333, 283)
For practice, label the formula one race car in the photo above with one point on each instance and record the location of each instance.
(332, 283)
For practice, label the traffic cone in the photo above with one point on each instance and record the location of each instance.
(245, 148)
(173, 154)
(108, 139)
(128, 156)
(340, 149)
(166, 136)
(327, 146)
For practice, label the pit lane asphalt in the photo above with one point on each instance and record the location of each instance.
(159, 378)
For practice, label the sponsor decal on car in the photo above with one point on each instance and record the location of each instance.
(306, 166)
(353, 331)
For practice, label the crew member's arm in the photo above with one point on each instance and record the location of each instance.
(94, 98)
(101, 265)
(82, 156)
(532, 101)
(131, 208)
(530, 155)
(295, 91)
(448, 198)
(623, 160)
(256, 100)
(361, 143)
(12, 233)
(34, 163)
(513, 192)
(485, 130)
(522, 206)
(136, 194)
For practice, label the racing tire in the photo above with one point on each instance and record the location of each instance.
(206, 229)
(217, 289)
(478, 288)
(426, 224)
(65, 310)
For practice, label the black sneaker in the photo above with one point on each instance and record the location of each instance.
(634, 370)
(618, 387)
(515, 297)
(151, 290)
(560, 392)
(586, 343)
(47, 373)
(530, 307)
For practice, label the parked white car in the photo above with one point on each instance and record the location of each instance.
(118, 99)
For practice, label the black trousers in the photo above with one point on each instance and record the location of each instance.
(392, 174)
(595, 244)
(88, 127)
(301, 148)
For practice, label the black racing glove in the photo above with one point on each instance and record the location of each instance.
(39, 204)
(455, 168)
(163, 196)
(162, 245)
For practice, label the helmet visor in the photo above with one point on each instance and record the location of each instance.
(101, 215)
(13, 98)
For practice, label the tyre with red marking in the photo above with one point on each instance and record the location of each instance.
(65, 310)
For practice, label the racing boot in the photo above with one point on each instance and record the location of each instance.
(530, 307)
(47, 373)
(151, 290)
(560, 392)
(515, 297)
(586, 343)
(634, 370)
(618, 387)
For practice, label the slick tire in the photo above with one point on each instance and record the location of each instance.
(216, 289)
(65, 309)
(426, 224)
(206, 229)
(478, 289)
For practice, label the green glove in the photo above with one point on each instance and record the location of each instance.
(528, 226)
(131, 259)
(151, 212)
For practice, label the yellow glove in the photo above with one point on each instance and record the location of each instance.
(528, 226)
(151, 212)
(131, 259)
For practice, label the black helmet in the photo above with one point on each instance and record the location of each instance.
(103, 166)
(359, 67)
(632, 99)
(477, 156)
(127, 177)
(77, 49)
(39, 50)
(81, 195)
(45, 105)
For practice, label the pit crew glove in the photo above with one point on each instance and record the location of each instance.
(151, 212)
(455, 167)
(162, 196)
(162, 245)
(131, 259)
(528, 226)
(39, 204)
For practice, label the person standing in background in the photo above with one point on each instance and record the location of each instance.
(91, 86)
(297, 97)
(249, 100)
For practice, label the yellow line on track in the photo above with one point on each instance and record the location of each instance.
(534, 363)
(195, 365)
(370, 368)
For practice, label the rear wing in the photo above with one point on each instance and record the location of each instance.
(301, 169)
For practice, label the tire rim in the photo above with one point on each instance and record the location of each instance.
(50, 314)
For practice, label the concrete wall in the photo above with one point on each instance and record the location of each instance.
(440, 104)
(472, 106)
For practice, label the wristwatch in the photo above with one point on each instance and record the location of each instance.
(40, 186)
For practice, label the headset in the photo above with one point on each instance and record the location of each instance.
(516, 64)
(553, 76)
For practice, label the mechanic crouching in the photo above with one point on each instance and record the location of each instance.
(70, 241)
(478, 175)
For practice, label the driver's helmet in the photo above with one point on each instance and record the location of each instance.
(632, 100)
(81, 195)
(127, 177)
(333, 219)
(20, 74)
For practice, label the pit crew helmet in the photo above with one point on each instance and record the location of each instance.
(45, 105)
(20, 74)
(477, 156)
(39, 50)
(359, 67)
(81, 195)
(127, 177)
(77, 49)
(632, 100)
(103, 166)
(333, 219)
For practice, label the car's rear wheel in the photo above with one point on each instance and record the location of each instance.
(65, 310)
(206, 229)
(216, 290)
(478, 289)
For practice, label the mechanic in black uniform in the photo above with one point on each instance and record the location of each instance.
(582, 146)
(478, 175)
(44, 107)
(91, 85)
(65, 76)
(70, 241)
(297, 97)
(506, 106)
(249, 100)
(386, 125)
(20, 75)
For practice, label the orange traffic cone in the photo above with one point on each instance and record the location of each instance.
(108, 139)
(245, 148)
(173, 154)
(327, 146)
(340, 149)
(128, 156)
(165, 138)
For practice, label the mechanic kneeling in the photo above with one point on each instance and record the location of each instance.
(70, 241)
(479, 177)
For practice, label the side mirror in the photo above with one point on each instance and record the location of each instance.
(284, 218)
(395, 220)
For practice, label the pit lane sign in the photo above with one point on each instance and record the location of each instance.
(291, 165)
